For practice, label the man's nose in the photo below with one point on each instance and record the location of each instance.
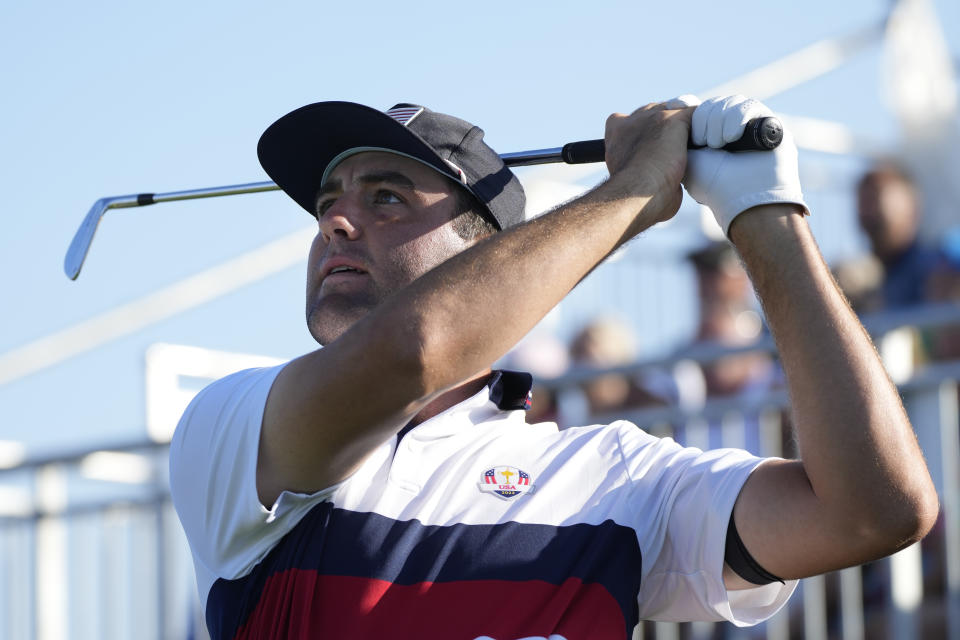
(341, 219)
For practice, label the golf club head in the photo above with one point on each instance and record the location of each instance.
(80, 245)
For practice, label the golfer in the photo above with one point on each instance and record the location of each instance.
(387, 485)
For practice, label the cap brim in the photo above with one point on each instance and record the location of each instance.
(296, 149)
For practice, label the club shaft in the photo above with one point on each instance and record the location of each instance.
(143, 199)
(516, 159)
(761, 133)
(536, 156)
(586, 151)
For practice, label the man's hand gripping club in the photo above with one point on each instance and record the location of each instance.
(646, 155)
(731, 183)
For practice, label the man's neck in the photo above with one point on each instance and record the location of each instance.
(452, 397)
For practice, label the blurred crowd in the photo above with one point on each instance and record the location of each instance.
(898, 273)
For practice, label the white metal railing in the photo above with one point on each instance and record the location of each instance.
(90, 546)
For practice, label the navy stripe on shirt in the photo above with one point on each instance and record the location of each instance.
(336, 542)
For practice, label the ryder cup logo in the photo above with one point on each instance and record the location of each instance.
(506, 482)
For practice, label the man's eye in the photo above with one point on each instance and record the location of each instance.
(387, 197)
(324, 205)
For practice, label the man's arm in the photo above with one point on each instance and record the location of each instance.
(328, 410)
(861, 489)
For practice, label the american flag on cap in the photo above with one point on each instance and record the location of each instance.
(404, 114)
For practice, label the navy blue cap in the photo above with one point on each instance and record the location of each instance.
(301, 148)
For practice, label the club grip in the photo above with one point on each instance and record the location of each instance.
(583, 152)
(760, 134)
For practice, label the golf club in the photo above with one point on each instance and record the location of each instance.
(760, 134)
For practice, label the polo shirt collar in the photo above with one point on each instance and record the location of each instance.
(506, 390)
(511, 390)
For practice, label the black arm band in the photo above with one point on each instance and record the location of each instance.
(740, 560)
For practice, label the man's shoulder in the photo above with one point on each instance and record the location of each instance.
(234, 387)
(241, 380)
(549, 440)
(238, 396)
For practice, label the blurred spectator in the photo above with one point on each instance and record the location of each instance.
(901, 271)
(605, 343)
(728, 318)
(888, 209)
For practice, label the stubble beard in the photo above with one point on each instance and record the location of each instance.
(330, 317)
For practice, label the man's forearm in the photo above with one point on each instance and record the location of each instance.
(857, 446)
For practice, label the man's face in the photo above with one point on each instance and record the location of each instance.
(384, 220)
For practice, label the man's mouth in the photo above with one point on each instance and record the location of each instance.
(343, 275)
(344, 269)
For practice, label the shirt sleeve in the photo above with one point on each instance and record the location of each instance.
(213, 467)
(683, 499)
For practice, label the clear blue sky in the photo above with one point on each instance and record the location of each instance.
(107, 98)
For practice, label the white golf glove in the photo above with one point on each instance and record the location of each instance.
(730, 183)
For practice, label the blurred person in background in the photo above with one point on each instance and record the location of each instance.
(728, 318)
(902, 271)
(888, 210)
(607, 342)
(897, 274)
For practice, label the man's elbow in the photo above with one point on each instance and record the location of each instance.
(906, 518)
(924, 515)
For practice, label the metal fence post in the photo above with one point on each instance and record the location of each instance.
(851, 603)
(906, 592)
(51, 569)
(815, 608)
(950, 463)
